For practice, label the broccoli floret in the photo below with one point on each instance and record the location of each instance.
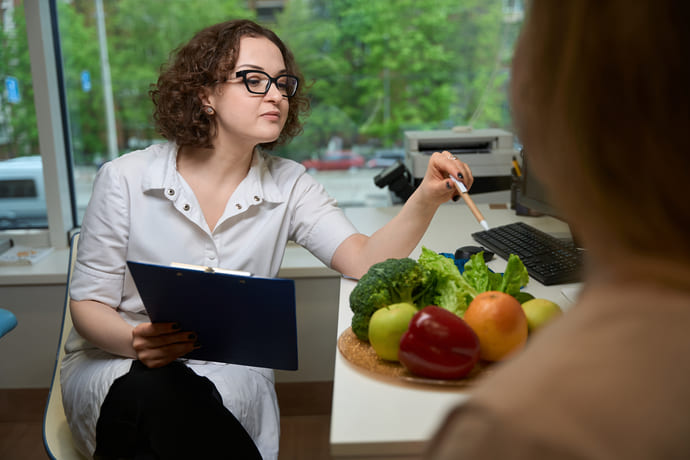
(388, 282)
(360, 325)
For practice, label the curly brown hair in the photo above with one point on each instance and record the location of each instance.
(200, 64)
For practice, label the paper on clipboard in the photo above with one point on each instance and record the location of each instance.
(238, 319)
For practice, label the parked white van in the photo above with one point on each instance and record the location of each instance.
(22, 194)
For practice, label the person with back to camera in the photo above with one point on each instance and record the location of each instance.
(210, 196)
(600, 100)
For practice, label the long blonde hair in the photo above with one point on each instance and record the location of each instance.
(601, 101)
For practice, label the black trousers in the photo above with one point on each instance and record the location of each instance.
(168, 413)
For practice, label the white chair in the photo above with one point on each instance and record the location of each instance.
(57, 437)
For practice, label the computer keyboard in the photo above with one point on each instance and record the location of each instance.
(548, 259)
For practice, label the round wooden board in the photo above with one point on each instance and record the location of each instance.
(363, 356)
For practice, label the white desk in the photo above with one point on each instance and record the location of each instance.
(378, 419)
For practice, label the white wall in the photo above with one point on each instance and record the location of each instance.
(27, 353)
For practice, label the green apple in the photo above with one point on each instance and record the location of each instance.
(386, 327)
(539, 312)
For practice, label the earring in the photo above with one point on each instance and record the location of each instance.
(209, 110)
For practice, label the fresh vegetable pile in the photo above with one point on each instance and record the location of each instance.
(433, 279)
(412, 312)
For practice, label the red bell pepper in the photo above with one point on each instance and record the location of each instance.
(439, 344)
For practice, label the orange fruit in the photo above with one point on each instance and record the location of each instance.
(500, 323)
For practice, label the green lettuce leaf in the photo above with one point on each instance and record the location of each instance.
(515, 276)
(479, 276)
(452, 291)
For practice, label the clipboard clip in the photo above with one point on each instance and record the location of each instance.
(211, 269)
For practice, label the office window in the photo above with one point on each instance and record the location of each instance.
(374, 70)
(22, 204)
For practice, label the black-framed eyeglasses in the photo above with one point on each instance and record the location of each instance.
(258, 82)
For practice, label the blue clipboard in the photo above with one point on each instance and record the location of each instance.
(238, 319)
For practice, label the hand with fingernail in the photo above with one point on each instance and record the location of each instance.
(436, 186)
(158, 344)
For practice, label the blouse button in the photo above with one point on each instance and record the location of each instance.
(256, 198)
(171, 192)
(186, 207)
(238, 206)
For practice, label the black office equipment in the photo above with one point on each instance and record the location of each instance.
(398, 180)
(533, 195)
(548, 259)
(466, 252)
(238, 319)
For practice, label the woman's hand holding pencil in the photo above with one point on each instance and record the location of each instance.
(473, 207)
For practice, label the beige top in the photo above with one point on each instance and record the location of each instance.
(608, 380)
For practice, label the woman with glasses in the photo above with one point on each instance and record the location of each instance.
(212, 196)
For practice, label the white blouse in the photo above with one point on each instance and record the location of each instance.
(141, 209)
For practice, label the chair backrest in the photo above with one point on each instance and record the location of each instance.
(57, 437)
